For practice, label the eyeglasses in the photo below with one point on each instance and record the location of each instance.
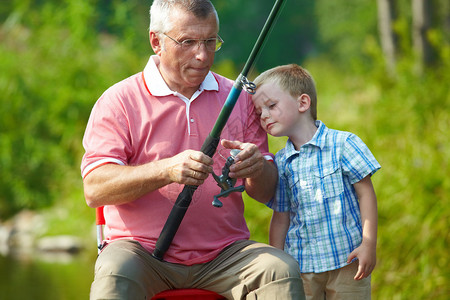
(212, 44)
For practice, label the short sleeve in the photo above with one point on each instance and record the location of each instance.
(106, 139)
(357, 160)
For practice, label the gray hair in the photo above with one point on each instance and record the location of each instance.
(161, 10)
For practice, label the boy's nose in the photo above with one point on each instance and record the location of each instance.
(264, 114)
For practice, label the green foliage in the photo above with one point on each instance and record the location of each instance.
(344, 39)
(292, 38)
(51, 75)
(412, 125)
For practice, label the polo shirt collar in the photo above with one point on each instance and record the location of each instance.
(158, 87)
(317, 140)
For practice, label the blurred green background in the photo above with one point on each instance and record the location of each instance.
(57, 58)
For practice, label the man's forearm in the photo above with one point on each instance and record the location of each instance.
(113, 184)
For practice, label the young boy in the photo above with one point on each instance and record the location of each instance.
(325, 207)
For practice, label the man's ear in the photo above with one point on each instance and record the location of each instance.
(304, 102)
(155, 42)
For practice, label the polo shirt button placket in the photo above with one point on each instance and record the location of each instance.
(193, 127)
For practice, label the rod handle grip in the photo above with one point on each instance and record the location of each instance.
(173, 221)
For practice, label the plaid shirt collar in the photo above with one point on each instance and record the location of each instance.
(318, 140)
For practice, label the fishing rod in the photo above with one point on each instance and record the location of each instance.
(211, 142)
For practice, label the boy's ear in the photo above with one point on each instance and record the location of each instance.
(304, 102)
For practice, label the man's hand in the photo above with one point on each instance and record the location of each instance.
(189, 167)
(260, 176)
(249, 163)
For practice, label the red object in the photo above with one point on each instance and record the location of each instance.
(99, 217)
(188, 294)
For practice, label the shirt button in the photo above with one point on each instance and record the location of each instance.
(192, 120)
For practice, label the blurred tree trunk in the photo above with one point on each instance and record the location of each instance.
(421, 13)
(444, 7)
(387, 36)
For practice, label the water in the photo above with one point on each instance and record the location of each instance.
(46, 277)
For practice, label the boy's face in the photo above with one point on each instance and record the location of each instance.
(277, 109)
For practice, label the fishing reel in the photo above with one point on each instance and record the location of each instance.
(225, 182)
(247, 85)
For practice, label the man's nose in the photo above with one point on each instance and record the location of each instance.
(201, 51)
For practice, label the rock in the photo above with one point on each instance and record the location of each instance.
(18, 234)
(5, 235)
(21, 237)
(61, 243)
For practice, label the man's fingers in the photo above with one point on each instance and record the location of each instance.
(201, 158)
(231, 144)
(191, 167)
(201, 163)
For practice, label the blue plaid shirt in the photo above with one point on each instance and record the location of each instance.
(316, 186)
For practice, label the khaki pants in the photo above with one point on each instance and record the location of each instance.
(244, 270)
(336, 284)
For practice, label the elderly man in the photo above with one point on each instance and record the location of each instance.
(142, 145)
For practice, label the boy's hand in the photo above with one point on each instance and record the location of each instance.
(367, 259)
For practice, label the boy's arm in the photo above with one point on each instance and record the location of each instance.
(366, 252)
(279, 226)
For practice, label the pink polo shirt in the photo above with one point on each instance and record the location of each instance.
(139, 120)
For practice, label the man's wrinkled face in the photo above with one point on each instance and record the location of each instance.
(184, 70)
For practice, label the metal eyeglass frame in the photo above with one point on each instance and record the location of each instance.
(189, 43)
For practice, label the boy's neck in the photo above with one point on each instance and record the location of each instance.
(304, 134)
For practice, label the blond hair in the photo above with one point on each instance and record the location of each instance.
(293, 79)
